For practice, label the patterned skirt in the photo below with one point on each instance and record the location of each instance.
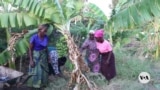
(40, 71)
(93, 62)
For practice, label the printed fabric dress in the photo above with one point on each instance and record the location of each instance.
(53, 54)
(92, 54)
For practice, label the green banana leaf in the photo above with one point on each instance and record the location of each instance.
(16, 20)
(21, 46)
(51, 10)
(135, 15)
(33, 12)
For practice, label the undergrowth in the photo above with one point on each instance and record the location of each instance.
(129, 67)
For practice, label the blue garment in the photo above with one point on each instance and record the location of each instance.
(39, 44)
(51, 48)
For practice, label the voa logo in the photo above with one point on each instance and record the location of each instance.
(144, 77)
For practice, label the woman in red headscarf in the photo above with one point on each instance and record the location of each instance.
(107, 57)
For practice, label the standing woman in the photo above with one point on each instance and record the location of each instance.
(107, 57)
(91, 52)
(38, 66)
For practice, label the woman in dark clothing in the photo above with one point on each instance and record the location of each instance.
(38, 66)
(107, 57)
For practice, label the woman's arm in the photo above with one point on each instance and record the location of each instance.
(109, 57)
(31, 55)
(84, 46)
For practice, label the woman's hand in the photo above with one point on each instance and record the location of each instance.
(32, 64)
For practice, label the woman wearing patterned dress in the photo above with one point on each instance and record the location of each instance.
(91, 52)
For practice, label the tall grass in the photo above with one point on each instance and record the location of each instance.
(129, 67)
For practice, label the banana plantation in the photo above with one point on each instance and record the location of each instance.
(131, 26)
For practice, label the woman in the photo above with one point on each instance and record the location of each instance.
(106, 54)
(92, 52)
(55, 62)
(38, 66)
(53, 56)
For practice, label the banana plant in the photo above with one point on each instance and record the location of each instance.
(137, 15)
(131, 15)
(12, 19)
(34, 12)
(19, 19)
(150, 35)
(61, 15)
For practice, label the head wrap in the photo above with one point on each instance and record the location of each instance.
(99, 33)
(91, 32)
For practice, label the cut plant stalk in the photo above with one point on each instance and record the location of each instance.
(11, 46)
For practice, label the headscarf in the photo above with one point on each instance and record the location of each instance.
(99, 33)
(91, 32)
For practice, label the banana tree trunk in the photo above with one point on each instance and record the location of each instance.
(75, 56)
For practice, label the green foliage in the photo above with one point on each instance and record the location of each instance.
(3, 44)
(123, 37)
(95, 13)
(80, 29)
(33, 12)
(129, 67)
(79, 32)
(123, 4)
(69, 66)
(135, 15)
(21, 48)
(16, 19)
(51, 10)
(95, 17)
(57, 84)
(3, 40)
